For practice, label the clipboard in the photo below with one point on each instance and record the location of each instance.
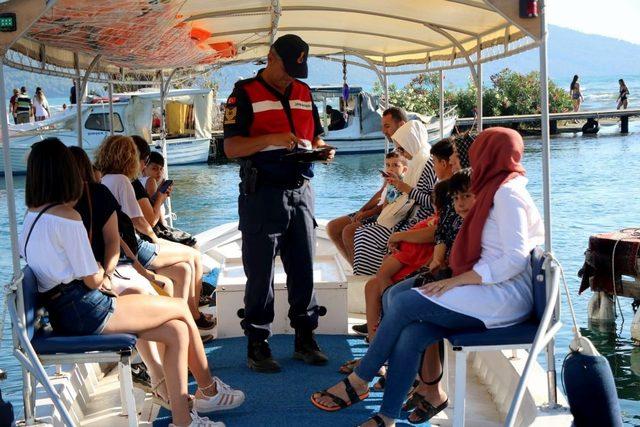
(308, 156)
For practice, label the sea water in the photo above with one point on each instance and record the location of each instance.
(595, 183)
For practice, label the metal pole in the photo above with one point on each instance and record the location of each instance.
(111, 108)
(324, 114)
(13, 234)
(479, 87)
(164, 86)
(546, 184)
(8, 174)
(441, 74)
(385, 84)
(79, 110)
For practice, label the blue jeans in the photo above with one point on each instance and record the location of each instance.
(74, 309)
(392, 292)
(410, 324)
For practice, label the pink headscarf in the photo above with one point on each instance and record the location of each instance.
(495, 159)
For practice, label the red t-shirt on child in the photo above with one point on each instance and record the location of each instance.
(414, 255)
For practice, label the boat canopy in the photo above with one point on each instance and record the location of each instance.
(330, 91)
(147, 35)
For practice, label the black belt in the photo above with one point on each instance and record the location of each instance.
(283, 185)
(58, 290)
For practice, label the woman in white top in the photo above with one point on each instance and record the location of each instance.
(118, 160)
(41, 105)
(55, 245)
(490, 287)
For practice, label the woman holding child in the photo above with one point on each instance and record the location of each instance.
(490, 287)
(72, 286)
(411, 141)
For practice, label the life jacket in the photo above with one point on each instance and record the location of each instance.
(271, 115)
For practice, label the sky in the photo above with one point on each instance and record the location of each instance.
(611, 18)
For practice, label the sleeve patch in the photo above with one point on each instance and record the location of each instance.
(230, 113)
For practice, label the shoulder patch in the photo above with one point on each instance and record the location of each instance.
(230, 112)
(231, 100)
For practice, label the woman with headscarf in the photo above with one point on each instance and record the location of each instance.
(411, 140)
(490, 287)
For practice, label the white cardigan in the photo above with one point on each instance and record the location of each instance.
(513, 228)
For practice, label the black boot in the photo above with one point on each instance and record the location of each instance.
(259, 357)
(307, 349)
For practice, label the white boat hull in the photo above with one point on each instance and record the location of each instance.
(491, 376)
(375, 142)
(182, 151)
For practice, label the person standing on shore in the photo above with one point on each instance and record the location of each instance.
(13, 103)
(265, 118)
(576, 95)
(24, 107)
(72, 94)
(622, 98)
(41, 105)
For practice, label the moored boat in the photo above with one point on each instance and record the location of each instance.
(362, 132)
(188, 116)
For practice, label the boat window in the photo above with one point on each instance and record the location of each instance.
(100, 121)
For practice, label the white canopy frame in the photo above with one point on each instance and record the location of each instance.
(466, 48)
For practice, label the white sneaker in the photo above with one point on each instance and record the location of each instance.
(226, 398)
(197, 421)
(220, 385)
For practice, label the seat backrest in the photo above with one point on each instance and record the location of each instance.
(31, 300)
(539, 282)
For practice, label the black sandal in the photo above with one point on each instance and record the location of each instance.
(378, 419)
(411, 402)
(425, 410)
(414, 397)
(379, 385)
(348, 366)
(341, 404)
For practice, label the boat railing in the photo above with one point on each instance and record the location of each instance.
(60, 350)
(546, 293)
(550, 324)
(451, 111)
(24, 352)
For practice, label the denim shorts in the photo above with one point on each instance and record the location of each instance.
(78, 310)
(147, 252)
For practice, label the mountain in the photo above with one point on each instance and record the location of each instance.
(570, 52)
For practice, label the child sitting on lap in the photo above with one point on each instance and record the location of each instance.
(410, 250)
(463, 201)
(394, 163)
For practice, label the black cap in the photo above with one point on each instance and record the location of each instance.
(294, 52)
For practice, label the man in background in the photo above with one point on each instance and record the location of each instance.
(24, 107)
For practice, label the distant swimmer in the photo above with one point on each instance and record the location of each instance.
(622, 98)
(576, 95)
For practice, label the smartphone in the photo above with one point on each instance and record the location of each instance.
(165, 185)
(383, 173)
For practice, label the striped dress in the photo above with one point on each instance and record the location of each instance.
(371, 239)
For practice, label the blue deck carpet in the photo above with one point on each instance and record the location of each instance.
(283, 399)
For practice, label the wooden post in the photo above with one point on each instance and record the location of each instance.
(553, 127)
(624, 124)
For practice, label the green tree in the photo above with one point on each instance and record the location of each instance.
(510, 93)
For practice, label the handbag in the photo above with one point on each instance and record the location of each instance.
(395, 212)
(174, 234)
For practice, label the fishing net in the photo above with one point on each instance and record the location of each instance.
(136, 34)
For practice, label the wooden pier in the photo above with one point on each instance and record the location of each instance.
(623, 115)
